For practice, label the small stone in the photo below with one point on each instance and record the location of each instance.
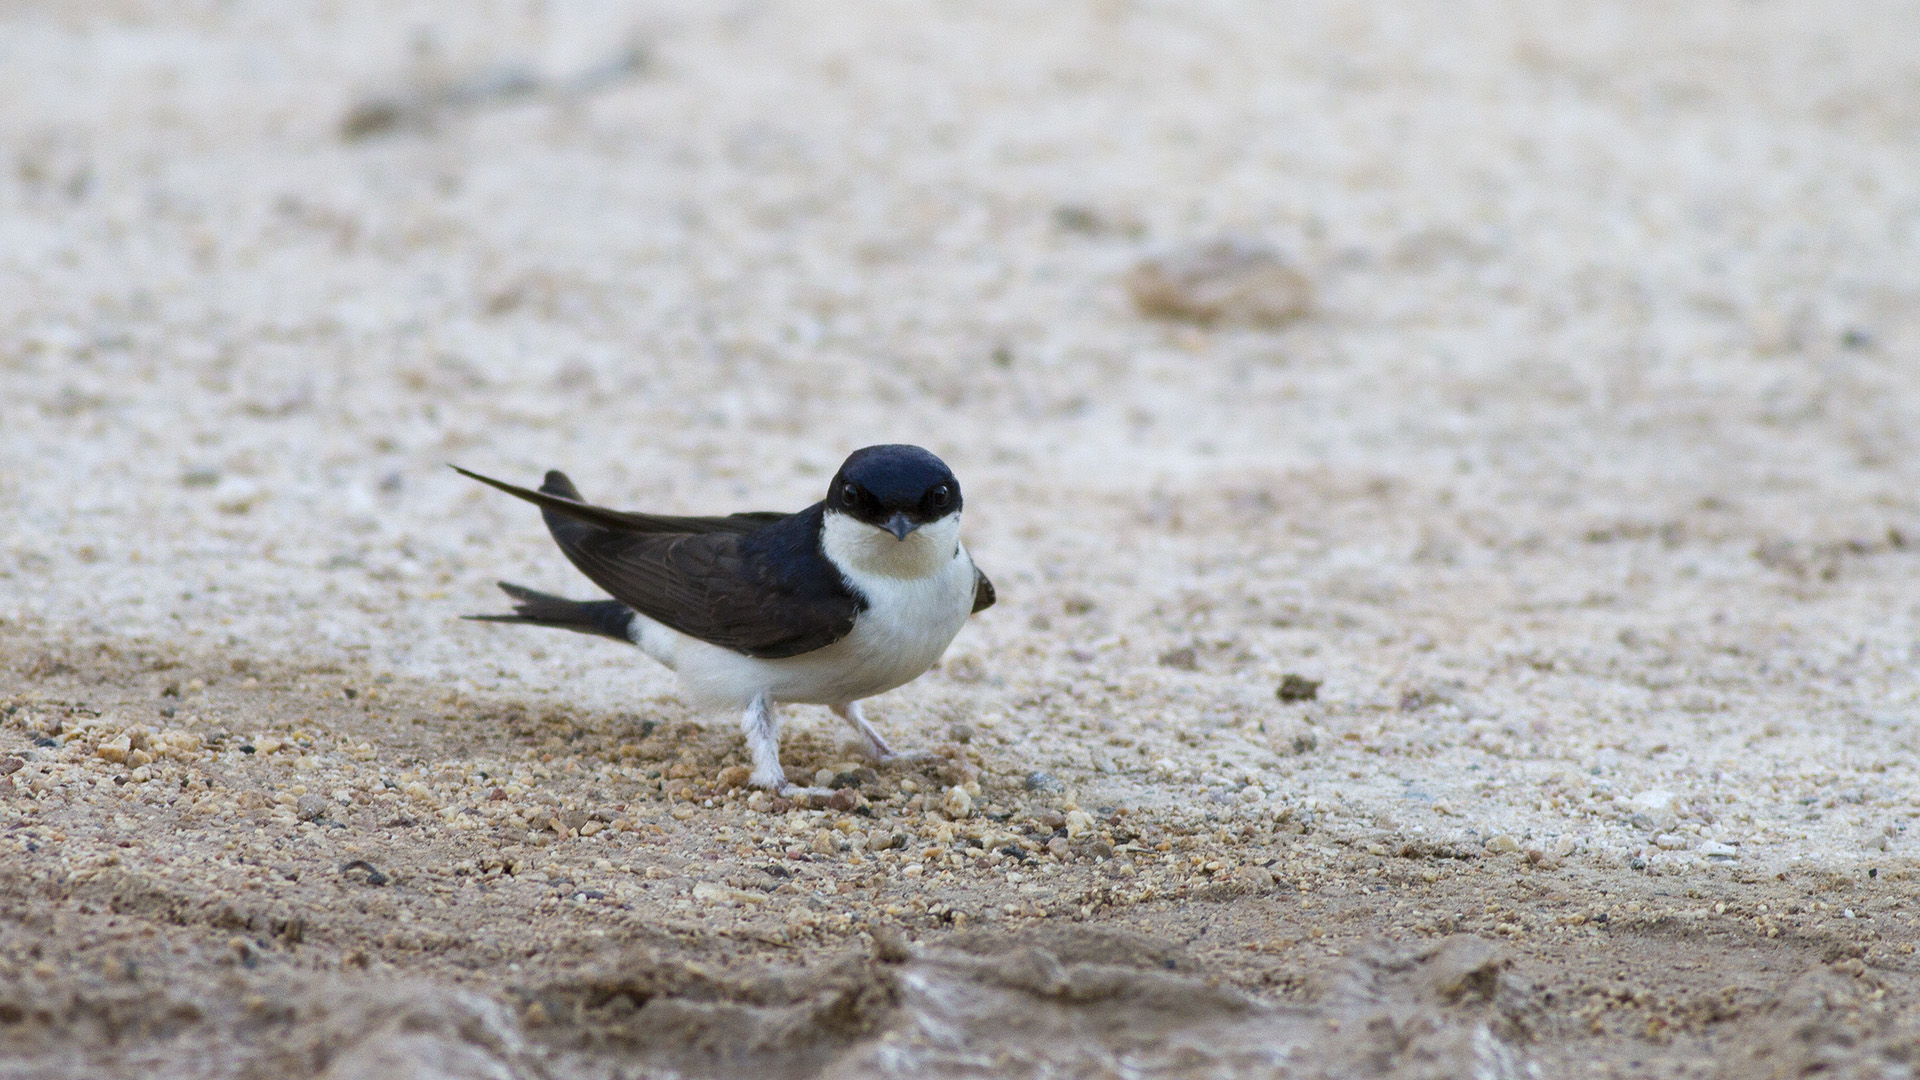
(1502, 844)
(733, 776)
(825, 843)
(1256, 879)
(1670, 842)
(1181, 659)
(846, 800)
(881, 840)
(1654, 801)
(1226, 281)
(591, 827)
(1050, 819)
(1297, 688)
(1102, 760)
(960, 733)
(956, 803)
(1717, 851)
(11, 765)
(308, 807)
(1079, 823)
(823, 778)
(1045, 782)
(138, 758)
(182, 743)
(114, 749)
(1057, 847)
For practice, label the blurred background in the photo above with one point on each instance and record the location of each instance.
(1385, 342)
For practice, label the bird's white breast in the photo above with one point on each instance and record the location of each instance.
(918, 591)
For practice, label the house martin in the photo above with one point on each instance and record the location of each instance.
(851, 597)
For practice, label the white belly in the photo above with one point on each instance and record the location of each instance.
(908, 624)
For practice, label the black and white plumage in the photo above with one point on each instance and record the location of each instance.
(851, 597)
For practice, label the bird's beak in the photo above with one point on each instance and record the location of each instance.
(900, 525)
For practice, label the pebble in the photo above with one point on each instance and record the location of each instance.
(846, 800)
(114, 749)
(733, 776)
(1257, 879)
(1045, 782)
(1670, 842)
(825, 843)
(1297, 688)
(957, 804)
(1226, 281)
(1079, 823)
(1502, 844)
(1654, 801)
(308, 807)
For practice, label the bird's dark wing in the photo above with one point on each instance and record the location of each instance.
(983, 595)
(747, 593)
(558, 495)
(754, 583)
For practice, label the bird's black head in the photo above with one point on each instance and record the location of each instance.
(894, 487)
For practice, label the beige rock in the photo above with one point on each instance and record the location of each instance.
(114, 749)
(957, 804)
(1227, 281)
(1079, 823)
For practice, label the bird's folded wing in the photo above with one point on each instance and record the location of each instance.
(707, 587)
(983, 595)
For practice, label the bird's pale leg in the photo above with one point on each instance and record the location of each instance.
(762, 730)
(877, 747)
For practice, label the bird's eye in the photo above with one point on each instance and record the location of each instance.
(849, 494)
(940, 496)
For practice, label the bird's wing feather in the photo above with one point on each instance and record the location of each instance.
(983, 595)
(712, 587)
(733, 581)
(560, 496)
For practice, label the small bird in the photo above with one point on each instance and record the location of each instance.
(851, 597)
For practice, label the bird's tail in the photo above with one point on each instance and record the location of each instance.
(606, 618)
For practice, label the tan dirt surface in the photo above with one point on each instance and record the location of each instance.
(1449, 473)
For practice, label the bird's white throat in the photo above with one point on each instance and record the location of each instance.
(860, 549)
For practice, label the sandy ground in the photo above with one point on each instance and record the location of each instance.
(1586, 492)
